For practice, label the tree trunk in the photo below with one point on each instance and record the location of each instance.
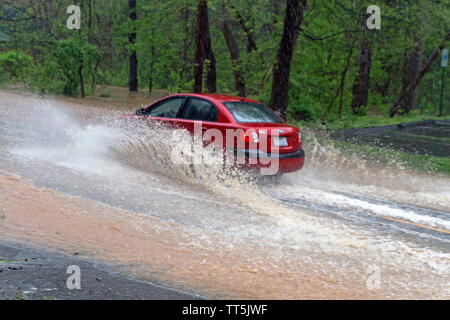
(282, 67)
(340, 90)
(234, 54)
(81, 65)
(133, 82)
(383, 87)
(204, 51)
(412, 68)
(361, 85)
(251, 44)
(150, 75)
(186, 43)
(415, 83)
(90, 21)
(80, 74)
(198, 63)
(211, 76)
(94, 77)
(200, 47)
(344, 74)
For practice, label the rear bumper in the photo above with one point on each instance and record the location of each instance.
(257, 154)
(279, 163)
(291, 165)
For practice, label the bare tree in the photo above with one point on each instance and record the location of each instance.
(282, 68)
(233, 48)
(185, 14)
(204, 52)
(251, 43)
(412, 67)
(133, 82)
(361, 85)
(415, 83)
(340, 89)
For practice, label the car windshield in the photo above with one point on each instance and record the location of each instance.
(251, 112)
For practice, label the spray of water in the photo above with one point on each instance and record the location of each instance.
(285, 216)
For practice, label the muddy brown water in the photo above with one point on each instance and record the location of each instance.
(74, 179)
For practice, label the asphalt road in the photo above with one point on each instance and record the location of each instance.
(70, 177)
(36, 274)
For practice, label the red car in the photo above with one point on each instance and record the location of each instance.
(240, 126)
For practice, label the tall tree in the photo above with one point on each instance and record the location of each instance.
(234, 53)
(204, 52)
(133, 81)
(416, 81)
(342, 83)
(89, 20)
(412, 67)
(81, 62)
(251, 44)
(340, 89)
(185, 14)
(361, 85)
(282, 68)
(382, 87)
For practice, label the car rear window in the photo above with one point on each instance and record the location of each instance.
(251, 112)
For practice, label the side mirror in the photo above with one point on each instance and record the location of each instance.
(140, 112)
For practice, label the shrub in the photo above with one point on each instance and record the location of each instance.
(15, 65)
(71, 56)
(304, 108)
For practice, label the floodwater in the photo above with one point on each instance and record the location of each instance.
(73, 178)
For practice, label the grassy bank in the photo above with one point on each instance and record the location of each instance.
(389, 156)
(358, 122)
(376, 153)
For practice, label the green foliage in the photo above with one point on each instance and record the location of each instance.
(68, 57)
(73, 57)
(48, 78)
(304, 108)
(15, 65)
(327, 45)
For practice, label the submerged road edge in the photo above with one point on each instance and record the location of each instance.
(29, 273)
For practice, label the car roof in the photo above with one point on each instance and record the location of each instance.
(221, 97)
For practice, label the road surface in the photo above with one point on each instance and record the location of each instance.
(73, 179)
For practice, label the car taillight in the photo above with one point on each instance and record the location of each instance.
(251, 136)
(299, 137)
(255, 136)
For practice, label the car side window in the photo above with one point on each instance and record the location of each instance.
(167, 109)
(200, 110)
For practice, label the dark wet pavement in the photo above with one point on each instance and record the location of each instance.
(425, 137)
(35, 274)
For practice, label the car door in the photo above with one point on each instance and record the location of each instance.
(202, 114)
(167, 111)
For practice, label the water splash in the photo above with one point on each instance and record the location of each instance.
(99, 144)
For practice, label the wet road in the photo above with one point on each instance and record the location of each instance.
(41, 275)
(341, 228)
